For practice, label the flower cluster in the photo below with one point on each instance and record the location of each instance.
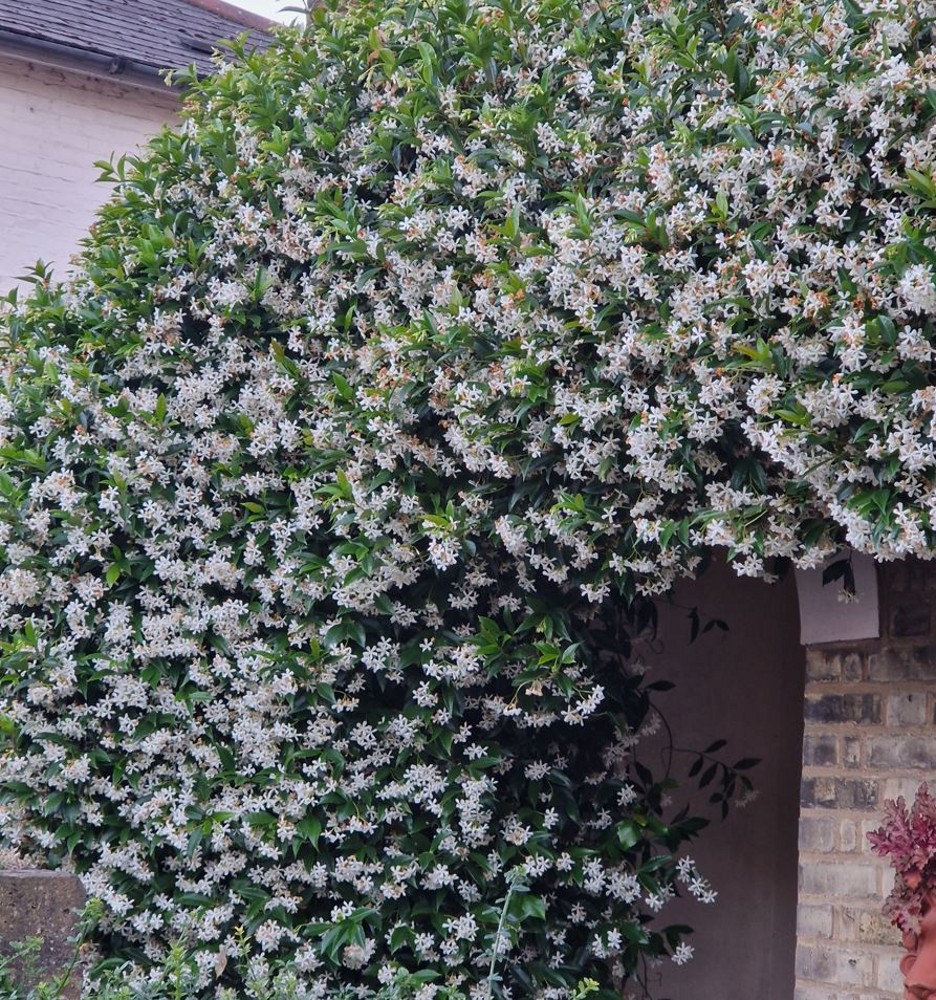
(908, 838)
(431, 339)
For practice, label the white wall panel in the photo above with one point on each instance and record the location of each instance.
(53, 125)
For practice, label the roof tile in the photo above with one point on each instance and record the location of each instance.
(154, 35)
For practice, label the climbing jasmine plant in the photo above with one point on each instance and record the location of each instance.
(390, 388)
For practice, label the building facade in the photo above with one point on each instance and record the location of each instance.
(842, 720)
(82, 81)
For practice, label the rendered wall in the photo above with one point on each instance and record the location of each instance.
(53, 125)
(870, 736)
(745, 686)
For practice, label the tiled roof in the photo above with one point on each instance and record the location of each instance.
(150, 35)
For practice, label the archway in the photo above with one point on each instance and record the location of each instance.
(744, 685)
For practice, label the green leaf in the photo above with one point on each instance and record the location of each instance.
(527, 906)
(628, 834)
(310, 828)
(261, 819)
(343, 386)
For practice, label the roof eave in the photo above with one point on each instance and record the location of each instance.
(108, 64)
(102, 65)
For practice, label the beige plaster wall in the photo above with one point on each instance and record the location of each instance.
(54, 124)
(745, 686)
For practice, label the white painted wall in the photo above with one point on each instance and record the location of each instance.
(54, 124)
(745, 686)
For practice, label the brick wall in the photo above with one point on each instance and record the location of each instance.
(870, 735)
(54, 124)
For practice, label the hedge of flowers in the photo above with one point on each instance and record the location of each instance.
(430, 340)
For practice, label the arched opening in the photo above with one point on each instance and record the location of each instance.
(744, 685)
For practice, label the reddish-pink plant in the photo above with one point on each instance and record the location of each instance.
(908, 838)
